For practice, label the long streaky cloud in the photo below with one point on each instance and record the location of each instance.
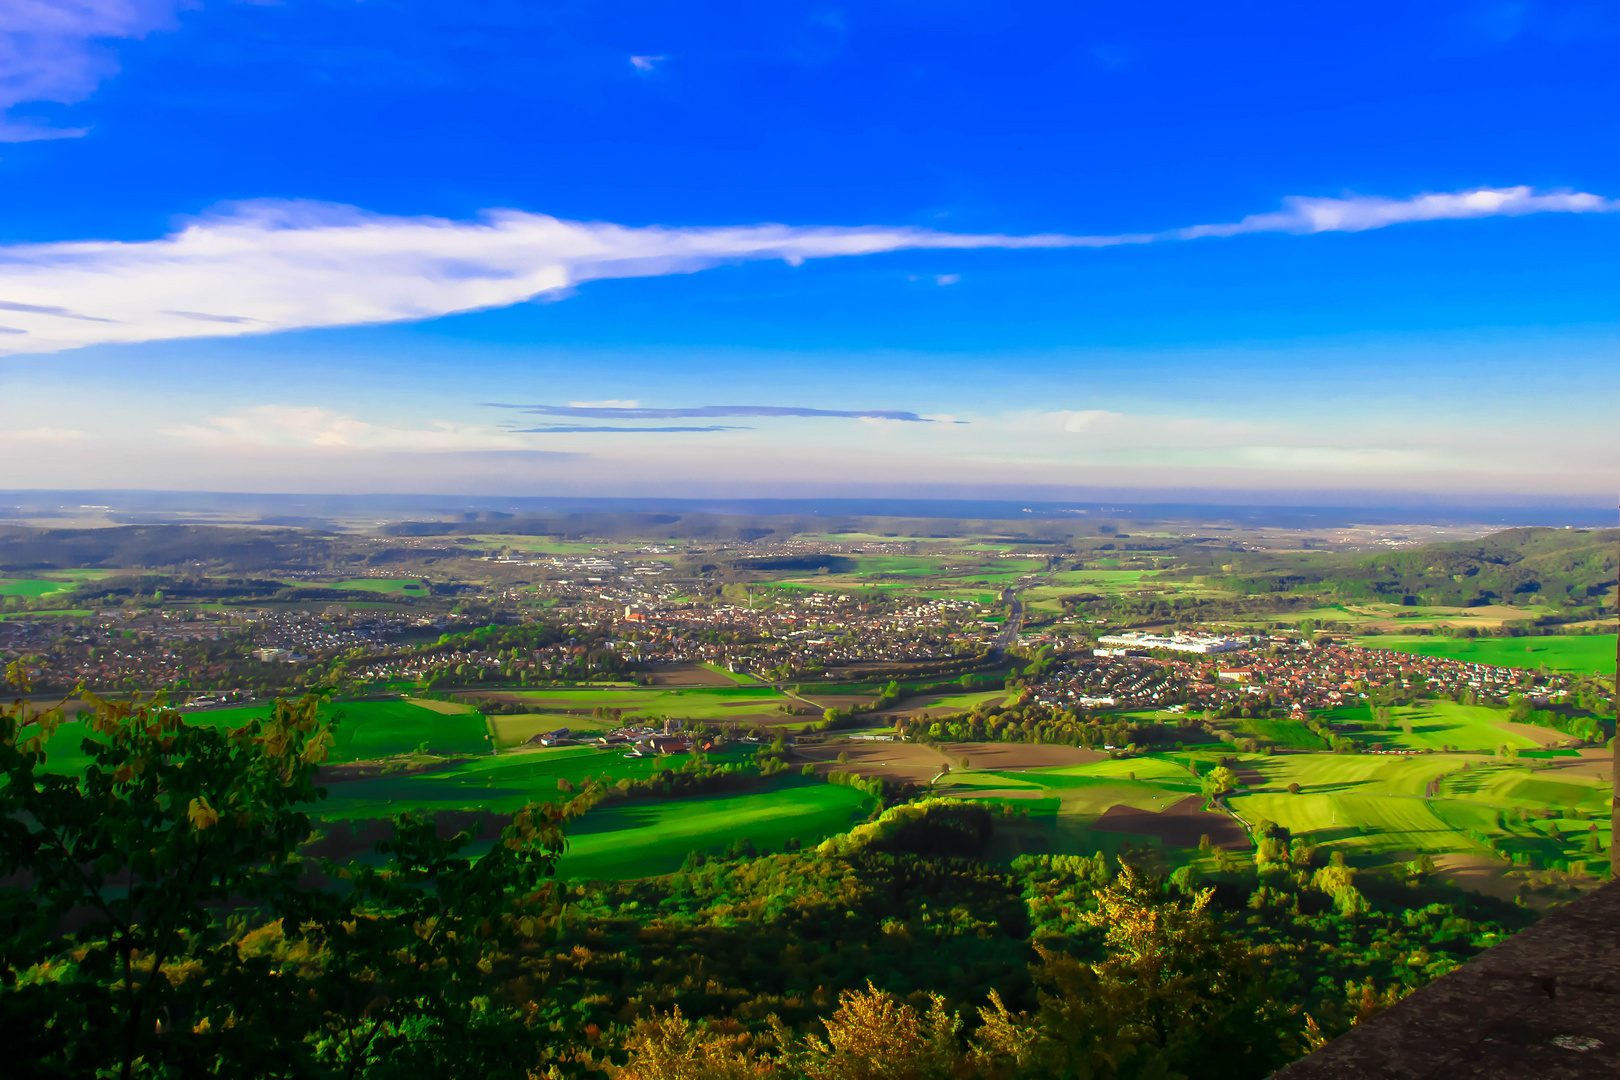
(261, 267)
(581, 429)
(616, 412)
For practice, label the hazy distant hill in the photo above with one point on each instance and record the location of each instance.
(744, 527)
(1565, 567)
(141, 546)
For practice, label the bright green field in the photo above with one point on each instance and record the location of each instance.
(1593, 653)
(738, 677)
(644, 837)
(366, 730)
(1437, 724)
(636, 838)
(378, 585)
(1102, 579)
(500, 784)
(1151, 769)
(903, 564)
(963, 702)
(840, 583)
(1367, 822)
(1001, 577)
(1508, 785)
(1283, 732)
(33, 587)
(1337, 773)
(513, 729)
(1376, 804)
(708, 703)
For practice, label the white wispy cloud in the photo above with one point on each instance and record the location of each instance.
(1358, 213)
(259, 267)
(43, 436)
(644, 63)
(312, 428)
(56, 51)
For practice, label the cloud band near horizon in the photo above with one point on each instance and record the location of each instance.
(275, 265)
(635, 412)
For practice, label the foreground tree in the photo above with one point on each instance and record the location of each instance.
(1174, 996)
(153, 923)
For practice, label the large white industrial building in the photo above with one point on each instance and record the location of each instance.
(1196, 643)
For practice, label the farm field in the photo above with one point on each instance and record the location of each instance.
(725, 678)
(86, 573)
(62, 613)
(628, 839)
(1283, 732)
(1104, 578)
(1585, 653)
(501, 785)
(914, 565)
(1505, 785)
(1377, 806)
(1325, 773)
(1440, 724)
(1154, 769)
(718, 703)
(1357, 823)
(643, 837)
(1374, 808)
(447, 708)
(545, 544)
(1101, 804)
(841, 583)
(408, 586)
(933, 705)
(33, 587)
(514, 729)
(367, 729)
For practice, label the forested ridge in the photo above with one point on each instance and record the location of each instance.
(1565, 567)
(162, 918)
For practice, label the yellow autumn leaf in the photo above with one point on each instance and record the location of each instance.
(202, 815)
(317, 748)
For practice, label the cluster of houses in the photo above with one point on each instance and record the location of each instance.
(637, 741)
(1280, 671)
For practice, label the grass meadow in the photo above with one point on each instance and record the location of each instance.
(33, 587)
(1584, 653)
(406, 586)
(364, 730)
(500, 784)
(643, 837)
(710, 703)
(1438, 724)
(1283, 732)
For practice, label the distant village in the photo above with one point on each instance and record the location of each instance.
(621, 619)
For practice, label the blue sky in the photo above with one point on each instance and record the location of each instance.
(306, 246)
